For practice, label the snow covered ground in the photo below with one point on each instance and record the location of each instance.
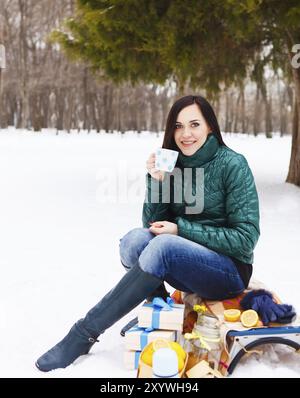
(59, 241)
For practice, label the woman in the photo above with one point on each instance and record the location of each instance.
(209, 253)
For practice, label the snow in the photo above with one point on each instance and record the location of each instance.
(59, 241)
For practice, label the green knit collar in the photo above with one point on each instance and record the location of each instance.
(202, 155)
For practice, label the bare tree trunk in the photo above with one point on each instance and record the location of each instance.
(69, 111)
(85, 97)
(268, 110)
(1, 84)
(23, 7)
(282, 109)
(217, 107)
(256, 112)
(294, 168)
(236, 113)
(227, 111)
(2, 63)
(35, 112)
(179, 86)
(1, 100)
(107, 99)
(290, 96)
(60, 109)
(154, 110)
(118, 109)
(165, 110)
(95, 113)
(243, 115)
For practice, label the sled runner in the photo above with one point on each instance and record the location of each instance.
(128, 326)
(244, 342)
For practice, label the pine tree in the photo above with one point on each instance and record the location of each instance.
(204, 43)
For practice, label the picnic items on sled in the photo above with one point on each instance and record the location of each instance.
(131, 359)
(203, 370)
(155, 360)
(136, 339)
(204, 341)
(163, 365)
(269, 311)
(217, 334)
(246, 342)
(159, 320)
(160, 314)
(237, 339)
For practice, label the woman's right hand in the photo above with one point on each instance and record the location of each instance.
(156, 174)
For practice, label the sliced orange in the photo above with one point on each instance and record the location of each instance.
(232, 315)
(249, 318)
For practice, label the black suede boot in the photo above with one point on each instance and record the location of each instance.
(77, 342)
(161, 291)
(132, 289)
(158, 292)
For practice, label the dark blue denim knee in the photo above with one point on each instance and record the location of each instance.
(189, 266)
(184, 264)
(132, 244)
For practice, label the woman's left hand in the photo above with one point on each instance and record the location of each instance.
(163, 227)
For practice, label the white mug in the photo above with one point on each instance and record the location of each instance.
(165, 159)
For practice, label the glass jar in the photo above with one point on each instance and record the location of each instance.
(208, 330)
(196, 353)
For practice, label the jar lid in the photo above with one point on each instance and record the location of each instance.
(165, 363)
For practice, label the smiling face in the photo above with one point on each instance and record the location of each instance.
(191, 130)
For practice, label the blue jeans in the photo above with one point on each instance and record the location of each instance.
(185, 265)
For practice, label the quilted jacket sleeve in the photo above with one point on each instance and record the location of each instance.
(153, 208)
(239, 237)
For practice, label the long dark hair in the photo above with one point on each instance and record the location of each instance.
(206, 110)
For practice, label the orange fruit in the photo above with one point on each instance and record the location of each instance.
(180, 363)
(148, 351)
(179, 350)
(232, 315)
(147, 354)
(160, 343)
(249, 318)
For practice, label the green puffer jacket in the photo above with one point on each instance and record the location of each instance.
(229, 222)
